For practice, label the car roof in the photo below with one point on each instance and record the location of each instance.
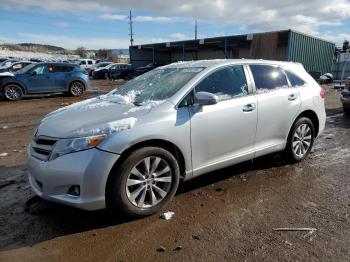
(218, 62)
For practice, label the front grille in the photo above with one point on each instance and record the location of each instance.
(41, 147)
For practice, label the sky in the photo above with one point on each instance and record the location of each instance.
(96, 24)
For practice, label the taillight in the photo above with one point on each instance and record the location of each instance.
(322, 93)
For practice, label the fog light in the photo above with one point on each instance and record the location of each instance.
(74, 191)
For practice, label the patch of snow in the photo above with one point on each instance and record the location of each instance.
(167, 215)
(6, 74)
(109, 128)
(4, 154)
(145, 106)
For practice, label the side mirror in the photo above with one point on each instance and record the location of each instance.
(205, 98)
(33, 73)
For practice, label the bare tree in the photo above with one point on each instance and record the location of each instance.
(81, 51)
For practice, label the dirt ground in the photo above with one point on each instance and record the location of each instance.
(227, 215)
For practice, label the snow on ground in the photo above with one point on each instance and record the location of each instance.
(36, 55)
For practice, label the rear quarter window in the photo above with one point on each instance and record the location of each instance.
(62, 69)
(294, 79)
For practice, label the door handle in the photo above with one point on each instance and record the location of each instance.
(292, 97)
(249, 107)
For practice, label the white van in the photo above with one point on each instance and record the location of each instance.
(86, 63)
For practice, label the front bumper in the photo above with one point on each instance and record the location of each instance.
(88, 169)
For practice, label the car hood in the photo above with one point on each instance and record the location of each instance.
(101, 115)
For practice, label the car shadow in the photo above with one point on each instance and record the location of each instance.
(27, 220)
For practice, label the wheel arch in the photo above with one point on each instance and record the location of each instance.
(310, 114)
(15, 83)
(77, 80)
(167, 145)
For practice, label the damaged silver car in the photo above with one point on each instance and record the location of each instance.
(128, 150)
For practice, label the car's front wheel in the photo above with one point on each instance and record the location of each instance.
(300, 140)
(13, 92)
(143, 183)
(76, 88)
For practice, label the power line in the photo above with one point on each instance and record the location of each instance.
(131, 33)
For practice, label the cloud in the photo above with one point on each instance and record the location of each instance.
(62, 24)
(179, 36)
(87, 42)
(310, 16)
(139, 18)
(113, 17)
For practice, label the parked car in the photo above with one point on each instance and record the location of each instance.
(8, 62)
(44, 78)
(143, 69)
(128, 150)
(120, 71)
(102, 72)
(97, 66)
(15, 66)
(345, 98)
(326, 78)
(86, 63)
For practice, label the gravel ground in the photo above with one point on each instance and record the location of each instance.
(227, 215)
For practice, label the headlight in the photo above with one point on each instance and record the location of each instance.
(67, 146)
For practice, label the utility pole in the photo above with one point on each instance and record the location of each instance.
(131, 33)
(195, 29)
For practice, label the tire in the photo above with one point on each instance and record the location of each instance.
(13, 92)
(300, 140)
(127, 195)
(76, 88)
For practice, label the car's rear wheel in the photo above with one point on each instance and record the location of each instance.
(300, 140)
(143, 183)
(13, 92)
(76, 88)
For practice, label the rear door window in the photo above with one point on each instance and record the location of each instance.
(40, 70)
(89, 62)
(267, 78)
(226, 83)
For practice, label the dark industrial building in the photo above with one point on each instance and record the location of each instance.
(314, 53)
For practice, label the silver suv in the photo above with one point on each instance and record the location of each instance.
(128, 150)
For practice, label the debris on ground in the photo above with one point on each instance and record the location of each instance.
(330, 136)
(295, 229)
(178, 248)
(5, 127)
(219, 189)
(66, 103)
(161, 249)
(243, 178)
(288, 243)
(167, 215)
(5, 183)
(4, 154)
(196, 237)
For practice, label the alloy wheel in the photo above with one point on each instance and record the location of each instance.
(77, 89)
(302, 140)
(13, 92)
(149, 182)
